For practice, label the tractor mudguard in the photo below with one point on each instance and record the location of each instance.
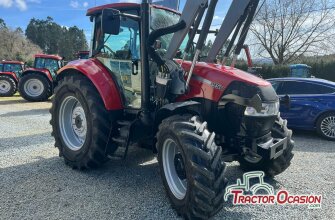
(177, 107)
(12, 75)
(101, 79)
(43, 72)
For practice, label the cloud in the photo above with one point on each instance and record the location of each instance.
(6, 3)
(35, 1)
(85, 4)
(74, 4)
(20, 4)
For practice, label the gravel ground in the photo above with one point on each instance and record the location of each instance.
(35, 183)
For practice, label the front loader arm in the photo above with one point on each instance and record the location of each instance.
(191, 10)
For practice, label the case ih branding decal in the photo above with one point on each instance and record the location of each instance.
(212, 84)
(245, 193)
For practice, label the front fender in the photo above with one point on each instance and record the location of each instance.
(101, 79)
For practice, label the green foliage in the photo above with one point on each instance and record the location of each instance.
(55, 39)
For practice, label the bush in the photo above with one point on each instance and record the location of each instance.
(323, 70)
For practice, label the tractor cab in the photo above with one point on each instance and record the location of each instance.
(52, 63)
(16, 67)
(301, 71)
(120, 52)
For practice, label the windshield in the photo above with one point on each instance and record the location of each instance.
(161, 18)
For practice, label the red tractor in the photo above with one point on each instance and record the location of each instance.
(10, 72)
(195, 115)
(83, 54)
(37, 83)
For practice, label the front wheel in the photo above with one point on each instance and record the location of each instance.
(7, 86)
(35, 87)
(191, 167)
(325, 126)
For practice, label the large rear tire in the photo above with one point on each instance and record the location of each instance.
(7, 86)
(191, 167)
(276, 166)
(81, 124)
(35, 88)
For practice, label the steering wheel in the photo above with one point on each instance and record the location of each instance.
(109, 49)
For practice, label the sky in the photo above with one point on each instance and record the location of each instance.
(17, 13)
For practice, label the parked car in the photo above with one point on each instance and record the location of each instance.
(312, 104)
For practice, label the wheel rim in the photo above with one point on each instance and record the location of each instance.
(174, 169)
(328, 126)
(72, 123)
(33, 87)
(4, 86)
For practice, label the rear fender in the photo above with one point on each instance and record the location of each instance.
(11, 75)
(101, 79)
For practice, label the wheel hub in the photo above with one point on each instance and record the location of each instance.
(328, 126)
(4, 86)
(33, 87)
(179, 166)
(174, 168)
(73, 124)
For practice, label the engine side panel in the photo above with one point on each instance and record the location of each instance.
(100, 77)
(210, 81)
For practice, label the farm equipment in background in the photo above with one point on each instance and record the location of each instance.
(251, 68)
(10, 73)
(37, 83)
(300, 71)
(195, 115)
(83, 54)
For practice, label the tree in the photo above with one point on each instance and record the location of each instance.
(14, 45)
(56, 39)
(286, 30)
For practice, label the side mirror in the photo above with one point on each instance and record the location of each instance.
(110, 21)
(286, 101)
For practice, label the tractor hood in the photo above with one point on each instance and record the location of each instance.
(211, 81)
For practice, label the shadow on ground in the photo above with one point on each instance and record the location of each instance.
(130, 189)
(31, 112)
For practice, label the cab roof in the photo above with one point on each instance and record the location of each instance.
(11, 62)
(98, 9)
(46, 56)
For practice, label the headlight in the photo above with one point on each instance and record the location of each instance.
(268, 109)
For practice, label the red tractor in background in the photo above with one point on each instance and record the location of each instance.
(83, 54)
(195, 115)
(10, 73)
(37, 83)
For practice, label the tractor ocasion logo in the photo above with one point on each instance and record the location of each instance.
(245, 193)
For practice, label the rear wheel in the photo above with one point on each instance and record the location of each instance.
(276, 166)
(81, 124)
(325, 126)
(35, 88)
(191, 167)
(7, 86)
